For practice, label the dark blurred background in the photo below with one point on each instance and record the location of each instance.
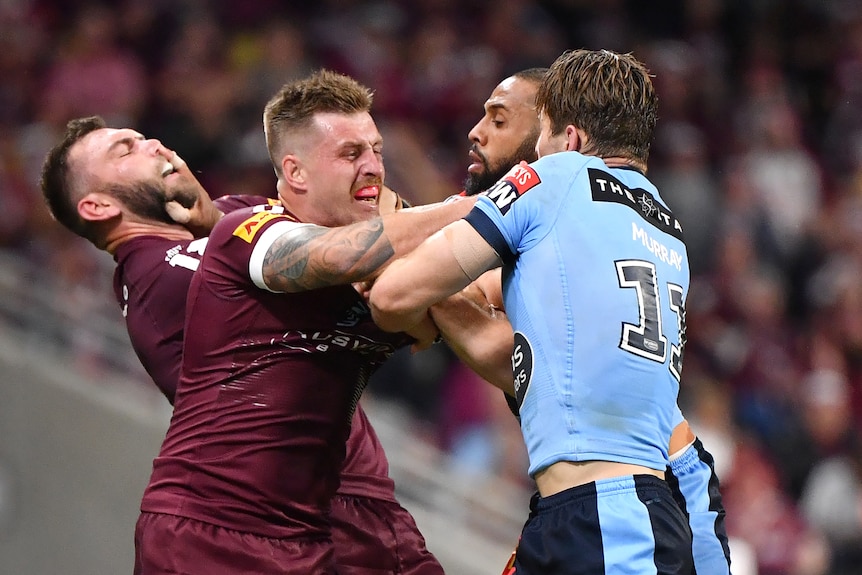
(758, 151)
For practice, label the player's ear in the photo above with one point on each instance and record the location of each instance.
(575, 139)
(294, 172)
(97, 207)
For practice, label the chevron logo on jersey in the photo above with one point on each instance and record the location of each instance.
(249, 228)
(606, 188)
(518, 181)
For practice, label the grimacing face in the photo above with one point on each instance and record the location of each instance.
(505, 135)
(341, 163)
(135, 170)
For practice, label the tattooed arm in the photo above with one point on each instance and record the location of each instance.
(311, 257)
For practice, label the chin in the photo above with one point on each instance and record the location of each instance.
(355, 215)
(367, 208)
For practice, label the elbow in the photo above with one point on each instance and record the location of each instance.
(388, 308)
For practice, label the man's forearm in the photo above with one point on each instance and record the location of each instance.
(479, 334)
(409, 227)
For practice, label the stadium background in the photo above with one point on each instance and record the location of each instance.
(759, 152)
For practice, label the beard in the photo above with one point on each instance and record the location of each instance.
(144, 199)
(476, 183)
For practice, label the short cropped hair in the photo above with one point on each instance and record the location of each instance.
(59, 184)
(608, 95)
(296, 103)
(532, 75)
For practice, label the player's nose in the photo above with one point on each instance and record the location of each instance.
(155, 147)
(477, 134)
(373, 164)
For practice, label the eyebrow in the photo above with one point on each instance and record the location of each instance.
(495, 106)
(350, 145)
(128, 140)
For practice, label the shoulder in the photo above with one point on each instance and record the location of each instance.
(564, 167)
(231, 203)
(148, 250)
(145, 259)
(248, 222)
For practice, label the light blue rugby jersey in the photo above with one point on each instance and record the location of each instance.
(595, 280)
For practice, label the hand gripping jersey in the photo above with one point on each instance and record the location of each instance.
(268, 391)
(595, 280)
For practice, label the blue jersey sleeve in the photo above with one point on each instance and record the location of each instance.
(511, 220)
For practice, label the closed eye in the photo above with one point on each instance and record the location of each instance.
(124, 146)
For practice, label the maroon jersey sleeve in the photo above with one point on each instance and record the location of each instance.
(268, 390)
(151, 281)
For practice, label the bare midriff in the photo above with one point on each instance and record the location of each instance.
(566, 474)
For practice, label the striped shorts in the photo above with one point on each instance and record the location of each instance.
(618, 526)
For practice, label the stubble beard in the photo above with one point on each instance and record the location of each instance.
(186, 196)
(145, 200)
(477, 183)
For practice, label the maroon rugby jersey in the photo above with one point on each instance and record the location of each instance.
(151, 281)
(268, 386)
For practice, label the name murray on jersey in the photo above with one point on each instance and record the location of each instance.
(658, 249)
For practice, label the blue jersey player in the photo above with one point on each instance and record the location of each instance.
(594, 284)
(505, 135)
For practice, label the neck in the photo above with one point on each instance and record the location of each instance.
(621, 162)
(118, 237)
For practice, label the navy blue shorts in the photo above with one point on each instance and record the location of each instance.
(610, 527)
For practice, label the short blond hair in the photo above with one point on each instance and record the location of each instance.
(294, 106)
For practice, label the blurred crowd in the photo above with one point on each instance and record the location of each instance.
(758, 152)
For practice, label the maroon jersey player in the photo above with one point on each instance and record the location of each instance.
(273, 381)
(278, 348)
(150, 282)
(114, 187)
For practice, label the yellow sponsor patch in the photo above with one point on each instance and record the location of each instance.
(249, 228)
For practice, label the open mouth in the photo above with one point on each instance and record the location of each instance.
(367, 194)
(167, 169)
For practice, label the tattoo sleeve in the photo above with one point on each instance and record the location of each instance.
(314, 257)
